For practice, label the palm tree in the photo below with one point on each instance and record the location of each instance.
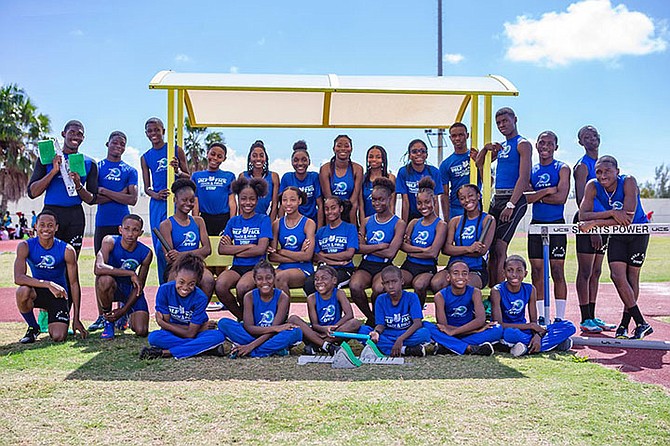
(20, 129)
(195, 150)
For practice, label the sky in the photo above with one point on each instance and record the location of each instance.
(598, 62)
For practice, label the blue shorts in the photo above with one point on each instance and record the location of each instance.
(121, 294)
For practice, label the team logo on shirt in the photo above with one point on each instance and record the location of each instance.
(461, 170)
(376, 237)
(189, 240)
(246, 235)
(46, 262)
(504, 153)
(328, 314)
(421, 238)
(340, 188)
(290, 241)
(333, 243)
(162, 165)
(114, 174)
(543, 180)
(398, 321)
(180, 314)
(413, 187)
(617, 205)
(129, 264)
(309, 190)
(267, 317)
(468, 232)
(516, 307)
(459, 311)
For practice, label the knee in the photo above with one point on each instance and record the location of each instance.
(58, 335)
(142, 332)
(105, 282)
(23, 293)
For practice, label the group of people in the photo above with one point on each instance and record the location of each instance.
(325, 218)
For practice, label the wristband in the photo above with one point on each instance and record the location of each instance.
(510, 205)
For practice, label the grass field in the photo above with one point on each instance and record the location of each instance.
(97, 392)
(655, 268)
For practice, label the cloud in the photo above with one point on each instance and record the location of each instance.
(261, 41)
(453, 58)
(183, 58)
(234, 69)
(132, 157)
(76, 33)
(587, 30)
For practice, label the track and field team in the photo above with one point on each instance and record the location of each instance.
(304, 231)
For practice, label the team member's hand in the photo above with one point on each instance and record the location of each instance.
(56, 162)
(78, 327)
(535, 344)
(397, 348)
(477, 248)
(374, 336)
(162, 194)
(57, 290)
(76, 179)
(596, 242)
(136, 283)
(225, 240)
(506, 215)
(306, 244)
(243, 350)
(284, 327)
(172, 255)
(537, 328)
(473, 153)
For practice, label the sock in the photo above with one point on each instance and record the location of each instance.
(592, 310)
(540, 308)
(325, 346)
(584, 310)
(637, 316)
(560, 308)
(625, 319)
(29, 317)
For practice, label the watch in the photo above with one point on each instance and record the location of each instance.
(510, 205)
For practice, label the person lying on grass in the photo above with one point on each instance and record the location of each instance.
(329, 310)
(263, 330)
(181, 314)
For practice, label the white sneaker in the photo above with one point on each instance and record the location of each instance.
(519, 349)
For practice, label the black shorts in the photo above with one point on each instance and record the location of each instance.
(557, 243)
(100, 233)
(505, 231)
(584, 245)
(215, 223)
(242, 270)
(58, 308)
(630, 249)
(71, 224)
(417, 268)
(483, 275)
(373, 268)
(343, 276)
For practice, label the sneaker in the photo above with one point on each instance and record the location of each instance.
(108, 332)
(485, 349)
(151, 353)
(642, 330)
(122, 323)
(30, 336)
(309, 349)
(621, 332)
(540, 321)
(565, 345)
(441, 350)
(99, 324)
(215, 306)
(332, 349)
(604, 325)
(590, 326)
(282, 352)
(416, 350)
(519, 349)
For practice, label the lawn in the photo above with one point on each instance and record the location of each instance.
(98, 392)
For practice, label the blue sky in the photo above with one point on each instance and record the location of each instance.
(596, 62)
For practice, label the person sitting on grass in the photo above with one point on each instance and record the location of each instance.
(117, 278)
(461, 320)
(329, 310)
(54, 285)
(264, 330)
(398, 318)
(509, 301)
(181, 314)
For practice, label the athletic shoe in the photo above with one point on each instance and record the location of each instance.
(485, 349)
(282, 352)
(557, 319)
(332, 349)
(151, 353)
(604, 325)
(215, 306)
(621, 332)
(30, 336)
(540, 321)
(108, 332)
(416, 350)
(519, 349)
(309, 349)
(565, 345)
(441, 350)
(642, 330)
(99, 324)
(122, 323)
(590, 326)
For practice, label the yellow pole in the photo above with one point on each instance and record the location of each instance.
(474, 134)
(180, 118)
(170, 150)
(486, 170)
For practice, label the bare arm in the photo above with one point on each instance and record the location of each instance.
(189, 331)
(40, 179)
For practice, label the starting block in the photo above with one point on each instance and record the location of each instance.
(346, 359)
(620, 343)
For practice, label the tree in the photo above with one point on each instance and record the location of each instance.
(195, 150)
(20, 129)
(660, 188)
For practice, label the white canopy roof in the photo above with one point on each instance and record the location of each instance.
(263, 100)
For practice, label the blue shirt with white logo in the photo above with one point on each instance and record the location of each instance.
(615, 200)
(459, 309)
(513, 305)
(115, 176)
(507, 170)
(182, 310)
(468, 231)
(329, 311)
(338, 239)
(542, 177)
(265, 312)
(400, 316)
(408, 179)
(128, 260)
(376, 233)
(310, 186)
(423, 237)
(291, 239)
(245, 231)
(343, 187)
(212, 190)
(185, 238)
(48, 264)
(455, 172)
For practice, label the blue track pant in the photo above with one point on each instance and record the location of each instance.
(390, 335)
(185, 347)
(556, 333)
(458, 344)
(234, 331)
(158, 213)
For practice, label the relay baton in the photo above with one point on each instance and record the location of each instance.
(342, 334)
(485, 230)
(161, 239)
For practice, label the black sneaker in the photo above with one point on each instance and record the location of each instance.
(332, 349)
(415, 350)
(309, 349)
(151, 353)
(621, 332)
(30, 336)
(485, 349)
(642, 330)
(99, 324)
(441, 350)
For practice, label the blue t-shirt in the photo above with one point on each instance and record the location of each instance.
(367, 199)
(115, 176)
(291, 239)
(338, 239)
(590, 164)
(343, 187)
(265, 312)
(615, 200)
(459, 309)
(408, 179)
(423, 237)
(376, 233)
(48, 264)
(513, 305)
(185, 238)
(507, 170)
(245, 231)
(542, 177)
(329, 311)
(157, 162)
(182, 310)
(455, 172)
(213, 190)
(128, 260)
(263, 204)
(468, 231)
(310, 186)
(400, 316)
(56, 192)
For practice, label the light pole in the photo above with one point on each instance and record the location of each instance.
(440, 131)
